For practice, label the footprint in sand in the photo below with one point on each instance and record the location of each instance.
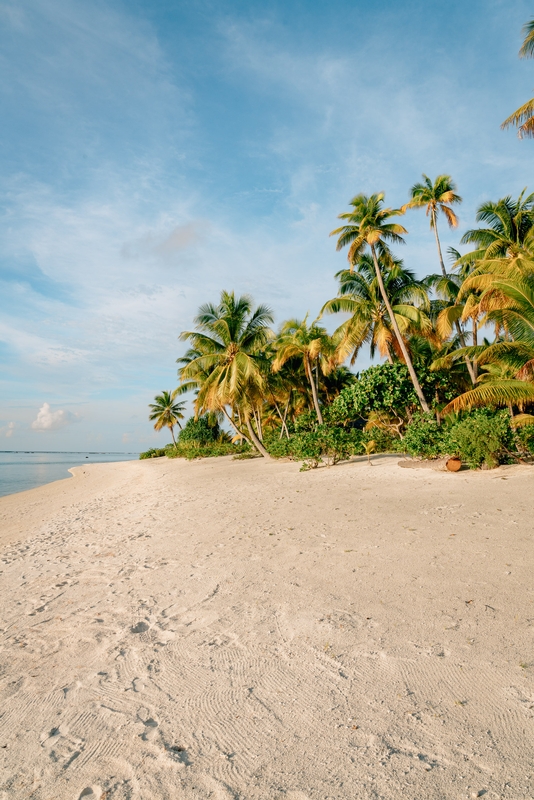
(150, 730)
(141, 627)
(91, 793)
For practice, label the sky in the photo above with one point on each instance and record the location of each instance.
(155, 153)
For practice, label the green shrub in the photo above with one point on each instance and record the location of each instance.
(482, 437)
(423, 437)
(387, 388)
(202, 431)
(154, 452)
(325, 442)
(193, 449)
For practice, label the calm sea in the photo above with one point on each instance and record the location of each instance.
(25, 470)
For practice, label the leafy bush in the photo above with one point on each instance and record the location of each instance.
(482, 437)
(325, 442)
(202, 431)
(423, 437)
(387, 388)
(154, 452)
(191, 450)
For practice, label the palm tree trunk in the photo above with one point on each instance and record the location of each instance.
(172, 434)
(257, 444)
(282, 418)
(402, 345)
(475, 343)
(468, 363)
(309, 375)
(234, 426)
(438, 243)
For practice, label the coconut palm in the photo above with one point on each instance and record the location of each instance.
(165, 412)
(437, 198)
(359, 295)
(523, 118)
(369, 225)
(225, 363)
(509, 230)
(508, 366)
(312, 346)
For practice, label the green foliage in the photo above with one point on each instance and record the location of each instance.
(202, 431)
(484, 437)
(313, 447)
(191, 450)
(423, 437)
(154, 452)
(387, 388)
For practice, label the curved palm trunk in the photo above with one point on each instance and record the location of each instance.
(234, 426)
(172, 434)
(400, 340)
(256, 442)
(309, 374)
(438, 243)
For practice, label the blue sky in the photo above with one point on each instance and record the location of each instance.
(154, 153)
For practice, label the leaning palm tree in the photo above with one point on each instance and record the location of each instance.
(165, 412)
(368, 225)
(523, 118)
(437, 198)
(359, 295)
(225, 363)
(311, 345)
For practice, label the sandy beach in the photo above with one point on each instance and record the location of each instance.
(239, 629)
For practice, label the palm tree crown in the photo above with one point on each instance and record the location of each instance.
(437, 197)
(359, 295)
(226, 364)
(165, 412)
(523, 117)
(509, 228)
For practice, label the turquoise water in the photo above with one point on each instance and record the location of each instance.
(25, 470)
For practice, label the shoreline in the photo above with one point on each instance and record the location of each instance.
(239, 629)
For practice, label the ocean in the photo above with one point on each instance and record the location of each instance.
(21, 470)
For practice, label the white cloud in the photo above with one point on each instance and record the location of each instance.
(8, 430)
(48, 420)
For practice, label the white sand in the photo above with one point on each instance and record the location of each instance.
(222, 629)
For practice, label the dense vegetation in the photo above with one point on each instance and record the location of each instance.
(441, 390)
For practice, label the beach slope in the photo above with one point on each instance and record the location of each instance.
(239, 629)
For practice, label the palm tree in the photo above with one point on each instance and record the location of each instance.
(454, 310)
(226, 364)
(310, 344)
(359, 295)
(508, 365)
(368, 226)
(166, 413)
(509, 231)
(437, 198)
(523, 118)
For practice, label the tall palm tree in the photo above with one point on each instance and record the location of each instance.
(165, 412)
(226, 363)
(437, 198)
(523, 118)
(368, 225)
(310, 344)
(359, 295)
